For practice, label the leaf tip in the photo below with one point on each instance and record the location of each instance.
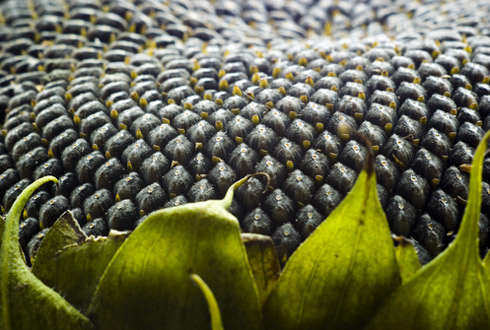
(230, 192)
(216, 323)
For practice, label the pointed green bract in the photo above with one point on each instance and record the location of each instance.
(263, 260)
(65, 231)
(212, 303)
(338, 276)
(26, 303)
(408, 262)
(2, 226)
(147, 286)
(452, 291)
(76, 270)
(486, 266)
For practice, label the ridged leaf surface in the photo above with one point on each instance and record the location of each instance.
(2, 227)
(21, 291)
(75, 270)
(147, 285)
(452, 291)
(407, 260)
(65, 231)
(338, 276)
(263, 260)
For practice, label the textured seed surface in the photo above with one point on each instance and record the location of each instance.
(133, 113)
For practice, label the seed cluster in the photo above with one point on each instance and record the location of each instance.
(140, 105)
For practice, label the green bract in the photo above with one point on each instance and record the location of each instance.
(452, 291)
(75, 269)
(64, 232)
(407, 259)
(264, 262)
(2, 227)
(26, 303)
(216, 323)
(188, 267)
(340, 273)
(147, 284)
